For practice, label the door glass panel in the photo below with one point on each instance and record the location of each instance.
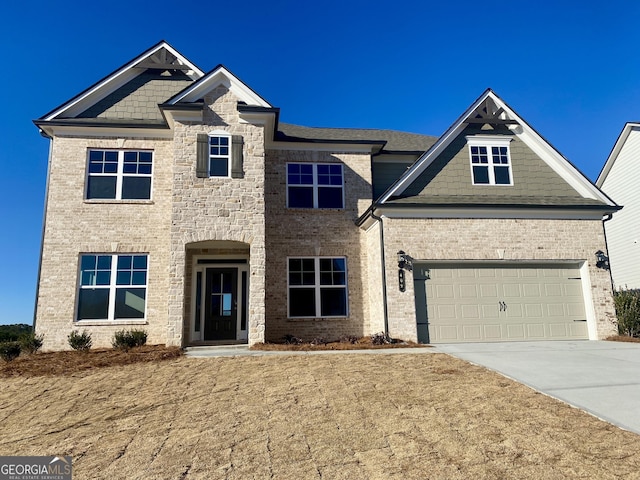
(226, 305)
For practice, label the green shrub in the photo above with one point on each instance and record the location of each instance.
(125, 340)
(381, 338)
(80, 341)
(628, 311)
(9, 351)
(30, 342)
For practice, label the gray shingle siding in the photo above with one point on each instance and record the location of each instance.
(139, 98)
(449, 177)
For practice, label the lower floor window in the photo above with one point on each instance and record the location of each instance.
(112, 287)
(318, 287)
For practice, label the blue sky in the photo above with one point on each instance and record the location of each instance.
(567, 67)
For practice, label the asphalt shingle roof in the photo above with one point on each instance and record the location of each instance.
(395, 141)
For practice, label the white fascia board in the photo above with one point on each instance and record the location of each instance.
(557, 213)
(95, 131)
(220, 76)
(430, 155)
(554, 159)
(615, 151)
(116, 80)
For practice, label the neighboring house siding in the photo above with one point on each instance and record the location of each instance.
(485, 239)
(450, 173)
(311, 232)
(75, 226)
(623, 230)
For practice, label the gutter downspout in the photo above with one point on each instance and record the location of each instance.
(44, 224)
(384, 273)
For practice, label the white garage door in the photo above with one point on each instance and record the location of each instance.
(473, 303)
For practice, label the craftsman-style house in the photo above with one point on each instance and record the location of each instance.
(178, 202)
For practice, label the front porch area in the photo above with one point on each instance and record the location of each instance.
(217, 293)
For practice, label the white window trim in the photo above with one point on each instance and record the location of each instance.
(219, 133)
(315, 185)
(490, 141)
(317, 286)
(111, 320)
(119, 175)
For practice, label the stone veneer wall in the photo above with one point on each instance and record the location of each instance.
(217, 209)
(480, 239)
(316, 232)
(75, 226)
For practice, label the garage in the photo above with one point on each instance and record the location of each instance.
(495, 302)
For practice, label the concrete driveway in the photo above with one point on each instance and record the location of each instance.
(600, 377)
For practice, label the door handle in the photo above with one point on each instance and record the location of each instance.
(503, 306)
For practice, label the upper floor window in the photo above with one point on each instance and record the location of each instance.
(112, 287)
(219, 155)
(315, 185)
(119, 174)
(490, 160)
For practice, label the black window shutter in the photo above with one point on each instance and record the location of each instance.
(237, 144)
(202, 161)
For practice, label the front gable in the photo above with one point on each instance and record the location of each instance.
(450, 178)
(539, 175)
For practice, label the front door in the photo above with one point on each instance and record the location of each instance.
(221, 304)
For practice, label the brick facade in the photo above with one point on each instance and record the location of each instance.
(516, 240)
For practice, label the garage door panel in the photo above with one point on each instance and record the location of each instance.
(490, 311)
(492, 332)
(553, 290)
(579, 329)
(469, 312)
(515, 332)
(531, 290)
(558, 330)
(575, 310)
(468, 291)
(556, 310)
(489, 291)
(472, 333)
(447, 311)
(445, 291)
(535, 331)
(511, 290)
(468, 303)
(533, 310)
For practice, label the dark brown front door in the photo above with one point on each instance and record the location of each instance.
(221, 304)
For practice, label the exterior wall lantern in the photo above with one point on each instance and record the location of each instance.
(602, 260)
(405, 262)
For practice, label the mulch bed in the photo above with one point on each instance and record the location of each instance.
(69, 362)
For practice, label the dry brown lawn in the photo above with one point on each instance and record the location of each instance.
(340, 416)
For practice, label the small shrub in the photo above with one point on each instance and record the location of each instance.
(381, 338)
(292, 340)
(319, 341)
(627, 304)
(30, 342)
(80, 341)
(352, 339)
(9, 351)
(125, 340)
